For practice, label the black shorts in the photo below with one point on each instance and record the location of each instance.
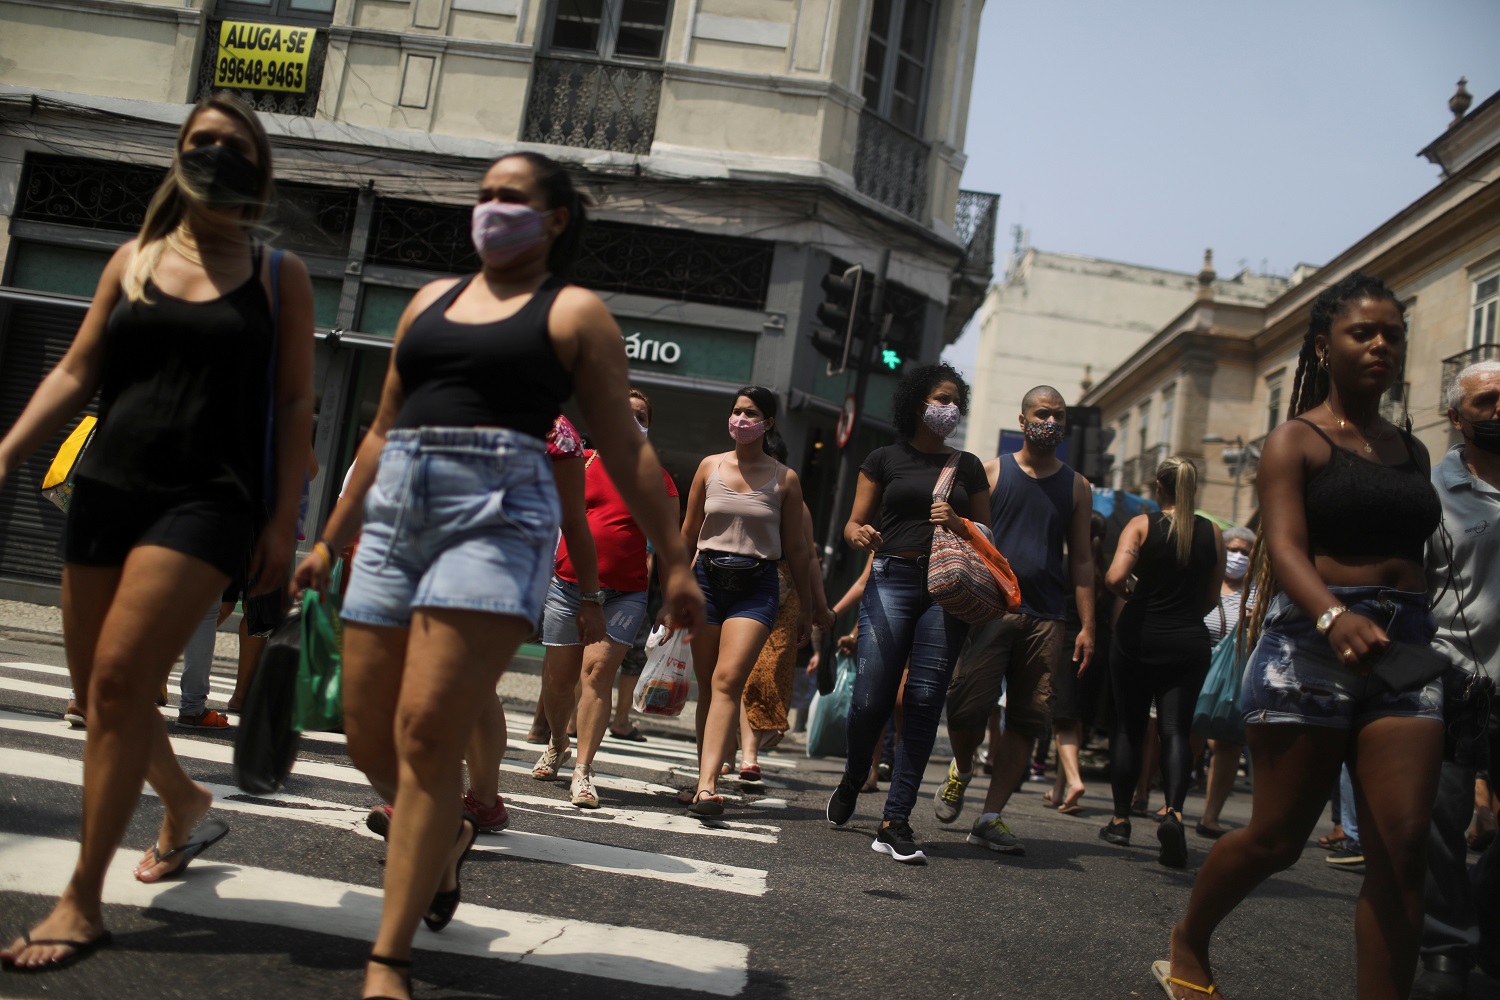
(104, 524)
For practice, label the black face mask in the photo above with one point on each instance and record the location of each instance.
(1486, 435)
(223, 176)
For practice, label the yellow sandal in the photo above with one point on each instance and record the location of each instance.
(1162, 971)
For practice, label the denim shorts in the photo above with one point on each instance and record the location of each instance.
(624, 610)
(458, 517)
(1283, 684)
(760, 601)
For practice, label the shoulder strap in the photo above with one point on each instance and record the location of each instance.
(268, 479)
(590, 461)
(945, 479)
(1411, 450)
(1321, 433)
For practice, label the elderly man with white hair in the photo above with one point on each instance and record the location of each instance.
(1463, 570)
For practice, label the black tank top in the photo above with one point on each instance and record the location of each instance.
(1356, 507)
(1165, 589)
(1030, 520)
(183, 399)
(500, 374)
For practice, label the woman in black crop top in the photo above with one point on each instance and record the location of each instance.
(182, 490)
(1345, 504)
(460, 519)
(1161, 646)
(893, 517)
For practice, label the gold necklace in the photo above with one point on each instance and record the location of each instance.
(188, 251)
(1349, 426)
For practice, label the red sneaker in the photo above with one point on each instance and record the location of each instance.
(208, 719)
(492, 819)
(379, 820)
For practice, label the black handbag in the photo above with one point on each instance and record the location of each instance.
(265, 744)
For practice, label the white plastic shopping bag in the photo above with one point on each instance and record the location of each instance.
(663, 685)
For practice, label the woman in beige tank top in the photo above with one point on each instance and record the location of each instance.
(744, 513)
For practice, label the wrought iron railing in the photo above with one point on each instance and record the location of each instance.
(97, 194)
(890, 165)
(593, 104)
(1458, 362)
(975, 218)
(1134, 476)
(283, 102)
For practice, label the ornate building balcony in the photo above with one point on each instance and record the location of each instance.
(975, 218)
(593, 104)
(891, 165)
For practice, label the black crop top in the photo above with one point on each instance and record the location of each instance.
(500, 374)
(1356, 507)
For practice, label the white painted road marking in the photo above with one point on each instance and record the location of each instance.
(535, 846)
(41, 866)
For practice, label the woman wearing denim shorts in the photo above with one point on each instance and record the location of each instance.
(893, 517)
(1346, 507)
(620, 594)
(460, 518)
(744, 513)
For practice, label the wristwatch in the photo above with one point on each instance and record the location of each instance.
(597, 596)
(1327, 618)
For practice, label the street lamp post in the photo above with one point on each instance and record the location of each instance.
(1239, 466)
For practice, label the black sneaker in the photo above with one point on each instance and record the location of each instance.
(1173, 842)
(841, 803)
(897, 841)
(883, 771)
(1116, 833)
(1349, 858)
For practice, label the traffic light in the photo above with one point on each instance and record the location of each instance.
(846, 300)
(1090, 444)
(1105, 456)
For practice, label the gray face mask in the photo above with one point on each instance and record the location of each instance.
(1236, 565)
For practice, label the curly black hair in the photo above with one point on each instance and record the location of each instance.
(910, 398)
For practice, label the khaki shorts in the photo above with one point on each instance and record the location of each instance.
(1020, 651)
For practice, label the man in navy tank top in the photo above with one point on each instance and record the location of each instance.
(1039, 513)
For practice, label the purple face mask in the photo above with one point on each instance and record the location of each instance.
(503, 231)
(744, 430)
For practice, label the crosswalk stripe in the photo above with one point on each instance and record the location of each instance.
(535, 846)
(219, 753)
(41, 865)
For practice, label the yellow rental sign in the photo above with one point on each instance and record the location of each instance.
(263, 56)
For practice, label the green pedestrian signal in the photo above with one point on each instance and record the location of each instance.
(890, 359)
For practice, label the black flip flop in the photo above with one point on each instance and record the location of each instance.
(81, 950)
(204, 836)
(634, 736)
(710, 807)
(445, 903)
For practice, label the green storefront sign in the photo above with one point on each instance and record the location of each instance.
(699, 352)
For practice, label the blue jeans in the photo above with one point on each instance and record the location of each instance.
(197, 663)
(899, 622)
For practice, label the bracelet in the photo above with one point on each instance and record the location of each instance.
(595, 596)
(322, 548)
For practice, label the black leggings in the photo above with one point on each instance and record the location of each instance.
(1175, 688)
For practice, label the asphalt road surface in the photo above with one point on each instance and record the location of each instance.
(635, 900)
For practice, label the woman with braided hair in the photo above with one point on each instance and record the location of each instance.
(1346, 508)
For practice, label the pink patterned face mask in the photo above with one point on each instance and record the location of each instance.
(744, 430)
(503, 231)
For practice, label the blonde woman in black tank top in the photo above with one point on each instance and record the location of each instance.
(742, 612)
(422, 657)
(1330, 603)
(165, 514)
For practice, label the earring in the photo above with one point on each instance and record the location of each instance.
(1323, 360)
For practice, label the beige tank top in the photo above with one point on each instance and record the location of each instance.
(746, 524)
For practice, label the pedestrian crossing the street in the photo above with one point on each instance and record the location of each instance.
(639, 837)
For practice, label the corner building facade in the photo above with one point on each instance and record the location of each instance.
(736, 151)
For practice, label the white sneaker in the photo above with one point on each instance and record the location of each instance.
(582, 788)
(548, 763)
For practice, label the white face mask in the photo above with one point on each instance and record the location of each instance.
(645, 431)
(1236, 565)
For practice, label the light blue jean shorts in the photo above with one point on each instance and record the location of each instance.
(458, 517)
(1284, 684)
(623, 612)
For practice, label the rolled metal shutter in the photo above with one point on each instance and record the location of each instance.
(34, 338)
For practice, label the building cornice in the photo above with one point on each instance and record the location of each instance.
(116, 8)
(1199, 318)
(766, 83)
(411, 41)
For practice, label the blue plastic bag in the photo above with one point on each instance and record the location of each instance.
(1217, 715)
(827, 732)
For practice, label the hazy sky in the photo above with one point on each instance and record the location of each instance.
(1275, 132)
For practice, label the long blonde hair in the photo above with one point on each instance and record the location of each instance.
(175, 195)
(1178, 478)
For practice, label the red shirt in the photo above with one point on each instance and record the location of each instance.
(619, 540)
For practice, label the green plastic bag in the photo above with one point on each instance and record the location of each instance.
(320, 700)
